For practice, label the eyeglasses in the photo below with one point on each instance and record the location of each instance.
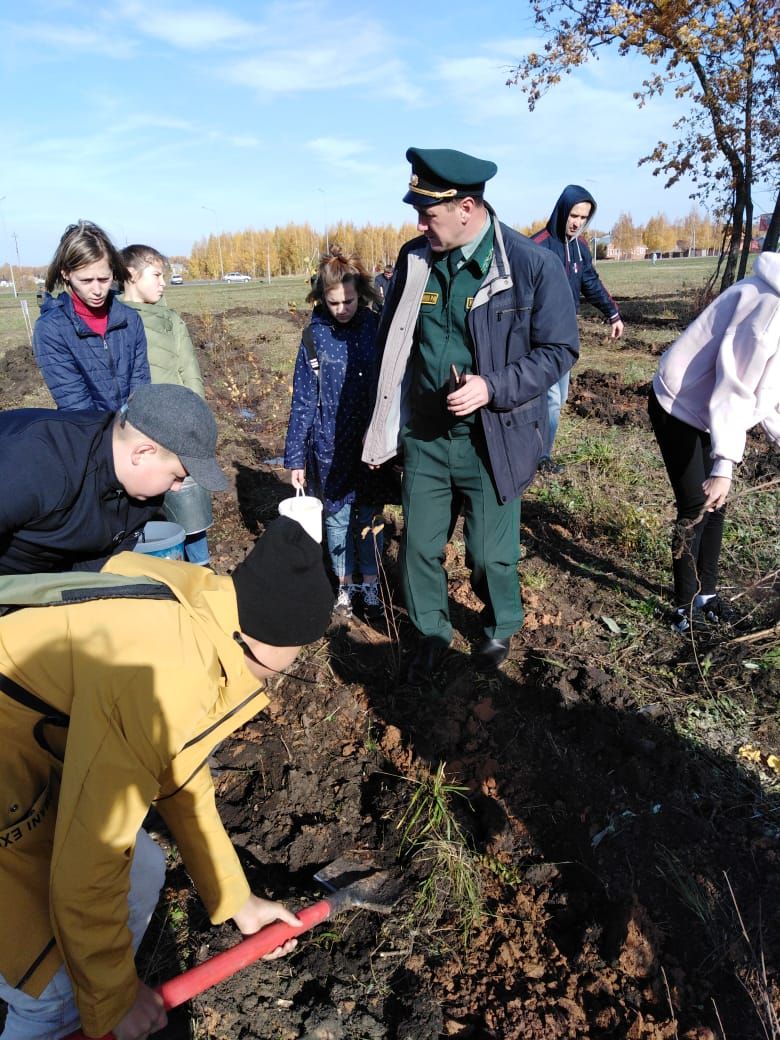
(245, 647)
(243, 644)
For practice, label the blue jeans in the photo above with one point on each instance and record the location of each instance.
(556, 398)
(54, 1013)
(342, 530)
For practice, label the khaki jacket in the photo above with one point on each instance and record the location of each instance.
(169, 347)
(135, 694)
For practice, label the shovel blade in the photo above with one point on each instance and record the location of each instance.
(356, 882)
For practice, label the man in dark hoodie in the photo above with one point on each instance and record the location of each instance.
(570, 217)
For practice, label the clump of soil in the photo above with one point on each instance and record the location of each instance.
(603, 396)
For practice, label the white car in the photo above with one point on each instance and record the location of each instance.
(176, 279)
(236, 276)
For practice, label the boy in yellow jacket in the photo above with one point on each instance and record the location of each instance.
(109, 706)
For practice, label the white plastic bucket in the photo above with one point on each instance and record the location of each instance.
(307, 510)
(163, 539)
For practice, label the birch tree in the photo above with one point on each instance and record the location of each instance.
(721, 56)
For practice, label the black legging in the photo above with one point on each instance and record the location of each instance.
(695, 547)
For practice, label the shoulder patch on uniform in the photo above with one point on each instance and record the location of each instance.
(430, 299)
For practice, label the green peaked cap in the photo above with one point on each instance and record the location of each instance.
(440, 174)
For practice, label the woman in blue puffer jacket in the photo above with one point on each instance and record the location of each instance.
(90, 347)
(333, 394)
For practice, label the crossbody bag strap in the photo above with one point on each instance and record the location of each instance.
(18, 693)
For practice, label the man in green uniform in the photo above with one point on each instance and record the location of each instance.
(477, 325)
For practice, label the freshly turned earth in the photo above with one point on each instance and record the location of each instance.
(597, 831)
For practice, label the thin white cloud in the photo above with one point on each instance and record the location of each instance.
(194, 29)
(143, 122)
(69, 39)
(344, 155)
(324, 67)
(305, 47)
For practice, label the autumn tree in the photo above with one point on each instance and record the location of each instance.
(696, 230)
(720, 55)
(292, 249)
(624, 234)
(659, 235)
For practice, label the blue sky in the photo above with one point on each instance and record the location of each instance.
(163, 122)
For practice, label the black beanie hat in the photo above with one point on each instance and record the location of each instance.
(283, 593)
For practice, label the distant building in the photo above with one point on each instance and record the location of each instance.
(637, 252)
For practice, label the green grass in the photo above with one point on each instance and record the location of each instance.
(12, 328)
(219, 297)
(639, 278)
(627, 281)
(614, 488)
(215, 298)
(430, 832)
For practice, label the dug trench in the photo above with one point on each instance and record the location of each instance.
(620, 866)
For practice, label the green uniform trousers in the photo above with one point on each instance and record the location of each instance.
(434, 469)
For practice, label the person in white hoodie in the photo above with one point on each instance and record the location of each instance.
(718, 379)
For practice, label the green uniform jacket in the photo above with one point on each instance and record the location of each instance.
(170, 350)
(523, 328)
(143, 690)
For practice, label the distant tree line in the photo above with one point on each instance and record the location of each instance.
(293, 249)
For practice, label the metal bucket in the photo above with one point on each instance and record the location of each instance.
(189, 507)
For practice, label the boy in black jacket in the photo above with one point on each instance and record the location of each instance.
(79, 486)
(571, 215)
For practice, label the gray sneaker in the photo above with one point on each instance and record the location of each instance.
(343, 604)
(373, 607)
(713, 612)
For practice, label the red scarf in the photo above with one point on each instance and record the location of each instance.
(96, 318)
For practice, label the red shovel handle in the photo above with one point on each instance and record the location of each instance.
(182, 988)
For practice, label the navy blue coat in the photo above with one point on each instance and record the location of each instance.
(62, 506)
(574, 253)
(524, 331)
(329, 413)
(82, 369)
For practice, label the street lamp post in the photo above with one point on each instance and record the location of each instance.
(10, 265)
(325, 216)
(219, 242)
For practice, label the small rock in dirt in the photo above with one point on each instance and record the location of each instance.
(484, 710)
(541, 873)
(391, 739)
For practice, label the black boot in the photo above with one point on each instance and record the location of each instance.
(490, 654)
(426, 660)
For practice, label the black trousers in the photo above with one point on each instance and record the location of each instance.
(686, 452)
